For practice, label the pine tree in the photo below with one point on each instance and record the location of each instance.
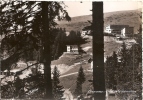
(29, 34)
(108, 72)
(59, 45)
(19, 87)
(136, 71)
(57, 88)
(115, 68)
(80, 80)
(111, 71)
(124, 66)
(129, 72)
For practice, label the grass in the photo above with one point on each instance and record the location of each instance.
(85, 66)
(70, 59)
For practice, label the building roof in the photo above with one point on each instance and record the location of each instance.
(118, 26)
(72, 45)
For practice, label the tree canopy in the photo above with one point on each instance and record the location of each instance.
(27, 27)
(21, 23)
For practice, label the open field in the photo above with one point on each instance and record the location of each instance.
(70, 59)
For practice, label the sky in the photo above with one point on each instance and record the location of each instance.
(76, 8)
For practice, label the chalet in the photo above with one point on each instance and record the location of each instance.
(120, 30)
(73, 49)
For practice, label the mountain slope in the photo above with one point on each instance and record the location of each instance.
(130, 17)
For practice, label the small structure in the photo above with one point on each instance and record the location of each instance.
(86, 31)
(73, 49)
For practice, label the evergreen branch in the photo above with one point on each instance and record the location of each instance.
(32, 88)
(26, 68)
(20, 71)
(30, 9)
(12, 59)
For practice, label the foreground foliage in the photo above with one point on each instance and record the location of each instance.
(26, 26)
(124, 73)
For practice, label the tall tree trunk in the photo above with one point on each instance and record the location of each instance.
(98, 51)
(47, 57)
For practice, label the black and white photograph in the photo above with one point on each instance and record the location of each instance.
(70, 50)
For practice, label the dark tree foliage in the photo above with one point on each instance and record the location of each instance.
(138, 37)
(24, 88)
(32, 83)
(127, 70)
(111, 71)
(74, 38)
(13, 89)
(59, 45)
(57, 88)
(19, 87)
(130, 74)
(21, 32)
(7, 91)
(23, 25)
(124, 67)
(136, 72)
(80, 80)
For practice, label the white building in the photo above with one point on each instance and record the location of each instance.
(120, 30)
(85, 32)
(74, 49)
